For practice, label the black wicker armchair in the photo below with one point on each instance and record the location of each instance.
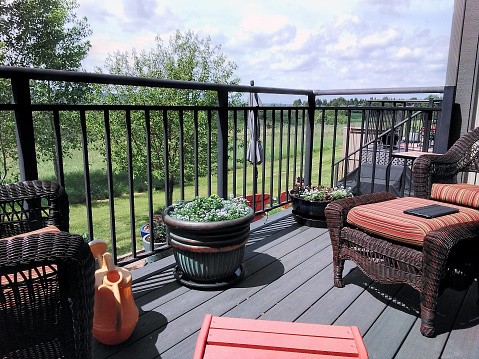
(31, 205)
(448, 256)
(47, 279)
(47, 296)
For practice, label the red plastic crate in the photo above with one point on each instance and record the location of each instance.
(222, 337)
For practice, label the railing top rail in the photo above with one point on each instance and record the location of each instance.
(380, 91)
(77, 76)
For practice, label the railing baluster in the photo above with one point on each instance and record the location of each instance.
(263, 165)
(58, 149)
(308, 159)
(208, 150)
(222, 144)
(245, 150)
(333, 154)
(288, 152)
(321, 147)
(149, 176)
(130, 176)
(195, 140)
(182, 154)
(295, 147)
(166, 156)
(86, 176)
(346, 146)
(109, 173)
(271, 176)
(280, 162)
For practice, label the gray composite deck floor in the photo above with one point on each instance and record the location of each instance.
(289, 278)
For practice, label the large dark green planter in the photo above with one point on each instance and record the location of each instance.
(208, 254)
(309, 213)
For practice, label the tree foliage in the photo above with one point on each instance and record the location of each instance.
(185, 57)
(41, 34)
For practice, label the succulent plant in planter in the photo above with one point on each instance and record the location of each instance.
(309, 202)
(210, 209)
(208, 236)
(321, 193)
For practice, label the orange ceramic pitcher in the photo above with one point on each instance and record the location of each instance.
(115, 313)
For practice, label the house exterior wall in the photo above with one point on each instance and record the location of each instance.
(463, 66)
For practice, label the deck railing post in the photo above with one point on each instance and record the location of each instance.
(446, 135)
(222, 188)
(308, 154)
(27, 157)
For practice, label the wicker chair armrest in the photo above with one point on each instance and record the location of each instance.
(54, 247)
(76, 272)
(429, 169)
(337, 211)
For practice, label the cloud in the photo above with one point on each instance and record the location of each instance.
(151, 15)
(320, 44)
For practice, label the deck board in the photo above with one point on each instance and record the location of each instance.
(289, 277)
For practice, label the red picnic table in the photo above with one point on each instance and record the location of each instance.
(222, 337)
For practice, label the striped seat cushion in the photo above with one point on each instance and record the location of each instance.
(459, 193)
(388, 220)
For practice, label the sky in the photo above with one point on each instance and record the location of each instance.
(309, 44)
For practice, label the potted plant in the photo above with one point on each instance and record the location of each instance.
(309, 203)
(159, 237)
(208, 236)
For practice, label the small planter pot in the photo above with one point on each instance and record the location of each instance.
(143, 231)
(147, 246)
(309, 213)
(208, 254)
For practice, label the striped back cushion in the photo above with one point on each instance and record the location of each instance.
(459, 193)
(388, 220)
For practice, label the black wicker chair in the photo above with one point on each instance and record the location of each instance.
(31, 205)
(47, 280)
(448, 257)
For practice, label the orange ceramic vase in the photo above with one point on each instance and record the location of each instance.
(115, 313)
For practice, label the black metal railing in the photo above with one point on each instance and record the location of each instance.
(313, 143)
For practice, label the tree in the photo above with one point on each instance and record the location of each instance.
(185, 57)
(41, 34)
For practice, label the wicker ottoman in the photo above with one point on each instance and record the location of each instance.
(446, 255)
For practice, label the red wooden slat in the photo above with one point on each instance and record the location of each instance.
(213, 351)
(282, 342)
(202, 336)
(363, 354)
(282, 327)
